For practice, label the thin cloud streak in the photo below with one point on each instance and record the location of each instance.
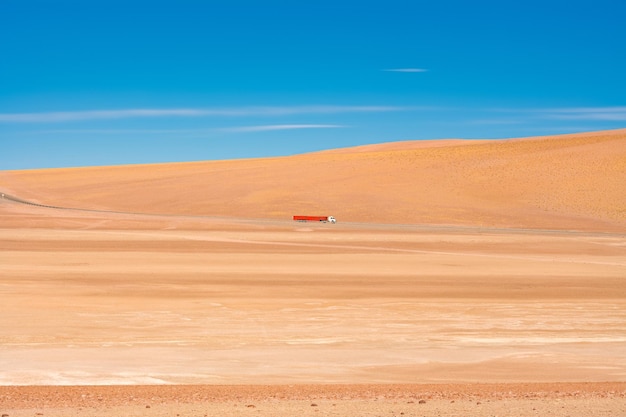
(495, 122)
(266, 128)
(119, 131)
(243, 129)
(617, 113)
(56, 117)
(406, 70)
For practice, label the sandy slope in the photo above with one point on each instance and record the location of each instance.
(243, 295)
(560, 182)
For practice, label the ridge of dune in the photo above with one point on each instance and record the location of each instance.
(570, 181)
(404, 145)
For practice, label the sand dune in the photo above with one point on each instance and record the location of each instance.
(558, 182)
(424, 280)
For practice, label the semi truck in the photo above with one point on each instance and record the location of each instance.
(324, 219)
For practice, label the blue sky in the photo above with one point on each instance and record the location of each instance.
(122, 82)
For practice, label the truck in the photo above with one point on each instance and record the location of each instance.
(323, 219)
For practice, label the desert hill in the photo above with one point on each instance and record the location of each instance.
(558, 182)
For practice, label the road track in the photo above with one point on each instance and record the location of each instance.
(349, 225)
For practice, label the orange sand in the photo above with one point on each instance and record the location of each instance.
(499, 262)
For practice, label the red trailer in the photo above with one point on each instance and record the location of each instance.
(323, 219)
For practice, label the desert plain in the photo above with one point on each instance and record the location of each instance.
(483, 277)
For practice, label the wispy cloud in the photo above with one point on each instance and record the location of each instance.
(609, 113)
(121, 131)
(48, 117)
(55, 117)
(496, 122)
(184, 132)
(406, 70)
(265, 128)
(588, 113)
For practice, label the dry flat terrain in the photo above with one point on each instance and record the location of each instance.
(480, 277)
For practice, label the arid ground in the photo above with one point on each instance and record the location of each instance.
(462, 277)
